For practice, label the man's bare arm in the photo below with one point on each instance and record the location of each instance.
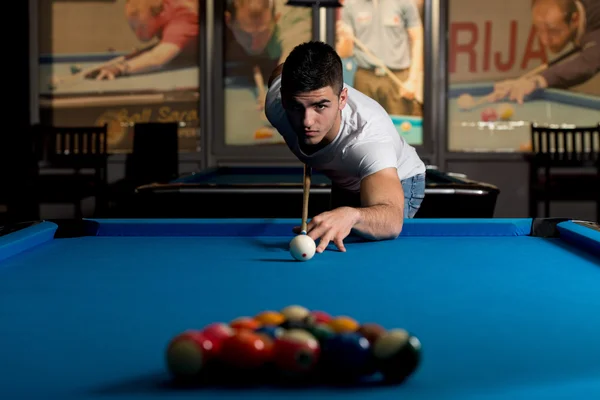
(382, 213)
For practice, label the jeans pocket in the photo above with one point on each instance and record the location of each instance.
(417, 194)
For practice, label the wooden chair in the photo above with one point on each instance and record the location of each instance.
(564, 154)
(74, 165)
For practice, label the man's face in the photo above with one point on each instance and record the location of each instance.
(554, 32)
(253, 28)
(314, 114)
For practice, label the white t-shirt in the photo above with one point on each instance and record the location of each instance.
(366, 143)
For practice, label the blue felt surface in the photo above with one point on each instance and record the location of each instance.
(500, 317)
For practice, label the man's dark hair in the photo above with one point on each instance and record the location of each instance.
(312, 66)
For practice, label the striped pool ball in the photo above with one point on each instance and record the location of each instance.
(397, 354)
(189, 353)
(296, 352)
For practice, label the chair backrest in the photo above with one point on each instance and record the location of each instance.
(74, 147)
(566, 145)
(155, 156)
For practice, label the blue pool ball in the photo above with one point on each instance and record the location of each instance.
(271, 331)
(347, 356)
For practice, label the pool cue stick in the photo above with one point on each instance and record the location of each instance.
(81, 74)
(529, 74)
(307, 181)
(260, 87)
(377, 60)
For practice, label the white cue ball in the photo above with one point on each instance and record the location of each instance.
(302, 248)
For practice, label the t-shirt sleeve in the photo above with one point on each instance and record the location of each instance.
(181, 29)
(371, 157)
(410, 14)
(273, 107)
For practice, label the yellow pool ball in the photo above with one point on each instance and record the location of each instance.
(505, 111)
(343, 324)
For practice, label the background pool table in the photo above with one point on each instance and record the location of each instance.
(504, 309)
(170, 94)
(467, 132)
(276, 192)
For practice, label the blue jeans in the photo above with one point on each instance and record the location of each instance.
(414, 192)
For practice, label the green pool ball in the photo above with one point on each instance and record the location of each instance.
(75, 69)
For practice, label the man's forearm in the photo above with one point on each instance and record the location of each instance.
(153, 59)
(416, 65)
(379, 222)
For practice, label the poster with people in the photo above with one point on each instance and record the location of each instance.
(258, 36)
(517, 62)
(120, 62)
(381, 44)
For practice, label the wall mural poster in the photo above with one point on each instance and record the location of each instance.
(381, 45)
(518, 62)
(118, 63)
(259, 34)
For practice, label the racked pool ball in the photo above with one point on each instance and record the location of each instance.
(371, 331)
(189, 353)
(347, 356)
(270, 318)
(296, 353)
(218, 331)
(397, 354)
(246, 350)
(295, 313)
(271, 331)
(245, 323)
(317, 316)
(343, 324)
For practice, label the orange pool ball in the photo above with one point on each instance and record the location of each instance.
(343, 324)
(270, 318)
(246, 323)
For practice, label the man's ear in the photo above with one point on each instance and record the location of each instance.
(343, 98)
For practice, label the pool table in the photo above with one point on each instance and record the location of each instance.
(468, 132)
(276, 192)
(505, 309)
(169, 94)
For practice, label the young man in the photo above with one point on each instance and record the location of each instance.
(378, 179)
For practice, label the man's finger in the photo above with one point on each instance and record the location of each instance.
(339, 242)
(323, 243)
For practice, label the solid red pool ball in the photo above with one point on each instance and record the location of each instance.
(296, 352)
(397, 354)
(317, 317)
(189, 353)
(218, 331)
(246, 350)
